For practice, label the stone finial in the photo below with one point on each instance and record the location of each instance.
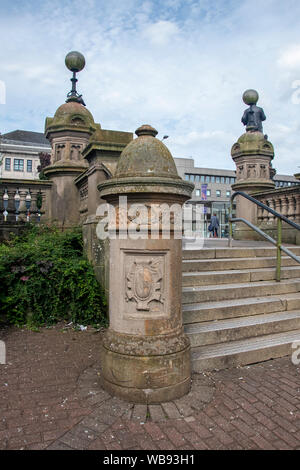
(254, 115)
(146, 129)
(75, 62)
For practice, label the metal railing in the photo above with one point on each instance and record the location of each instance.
(278, 242)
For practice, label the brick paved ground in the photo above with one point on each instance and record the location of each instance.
(50, 399)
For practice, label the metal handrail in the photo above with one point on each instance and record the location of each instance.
(280, 218)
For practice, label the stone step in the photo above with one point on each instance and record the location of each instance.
(236, 308)
(220, 331)
(218, 253)
(204, 265)
(238, 291)
(234, 276)
(242, 352)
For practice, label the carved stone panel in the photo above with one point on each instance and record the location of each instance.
(59, 152)
(75, 152)
(145, 283)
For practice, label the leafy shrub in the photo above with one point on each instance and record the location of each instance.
(45, 277)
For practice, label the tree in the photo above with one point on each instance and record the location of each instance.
(45, 160)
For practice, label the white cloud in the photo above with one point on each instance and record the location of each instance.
(290, 58)
(161, 32)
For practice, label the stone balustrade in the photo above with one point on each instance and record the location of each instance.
(286, 201)
(36, 189)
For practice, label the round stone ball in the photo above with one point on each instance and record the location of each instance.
(75, 61)
(250, 97)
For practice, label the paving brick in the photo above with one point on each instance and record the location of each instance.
(171, 410)
(176, 438)
(139, 413)
(154, 431)
(253, 407)
(156, 413)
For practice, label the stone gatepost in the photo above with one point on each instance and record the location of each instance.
(68, 132)
(252, 155)
(145, 353)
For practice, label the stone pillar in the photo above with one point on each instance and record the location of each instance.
(102, 154)
(68, 131)
(252, 154)
(145, 353)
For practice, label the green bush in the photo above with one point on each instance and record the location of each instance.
(45, 277)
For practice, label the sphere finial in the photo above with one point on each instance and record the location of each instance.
(75, 61)
(250, 97)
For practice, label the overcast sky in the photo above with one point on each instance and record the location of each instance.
(179, 65)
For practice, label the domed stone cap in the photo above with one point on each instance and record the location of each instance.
(71, 115)
(146, 156)
(252, 143)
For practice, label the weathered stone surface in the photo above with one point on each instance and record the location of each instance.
(145, 356)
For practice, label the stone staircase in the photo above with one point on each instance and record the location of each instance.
(234, 311)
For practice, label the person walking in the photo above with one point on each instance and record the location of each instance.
(214, 224)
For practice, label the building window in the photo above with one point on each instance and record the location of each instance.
(208, 193)
(217, 179)
(29, 166)
(218, 193)
(232, 180)
(202, 179)
(18, 164)
(197, 178)
(222, 179)
(207, 179)
(198, 192)
(212, 179)
(7, 164)
(228, 193)
(227, 180)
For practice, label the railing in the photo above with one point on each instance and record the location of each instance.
(280, 219)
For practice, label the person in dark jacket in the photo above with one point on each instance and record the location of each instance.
(214, 224)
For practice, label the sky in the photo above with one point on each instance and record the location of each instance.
(178, 65)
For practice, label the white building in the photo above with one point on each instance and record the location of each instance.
(19, 152)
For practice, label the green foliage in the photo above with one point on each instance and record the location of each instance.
(45, 277)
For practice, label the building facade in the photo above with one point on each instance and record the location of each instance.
(213, 190)
(19, 152)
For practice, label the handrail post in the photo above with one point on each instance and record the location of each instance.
(279, 237)
(230, 224)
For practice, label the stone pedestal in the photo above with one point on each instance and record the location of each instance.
(69, 132)
(145, 353)
(252, 154)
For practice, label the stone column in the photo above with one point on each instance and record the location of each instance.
(68, 131)
(145, 354)
(252, 155)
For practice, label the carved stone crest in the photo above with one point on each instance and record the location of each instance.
(144, 283)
